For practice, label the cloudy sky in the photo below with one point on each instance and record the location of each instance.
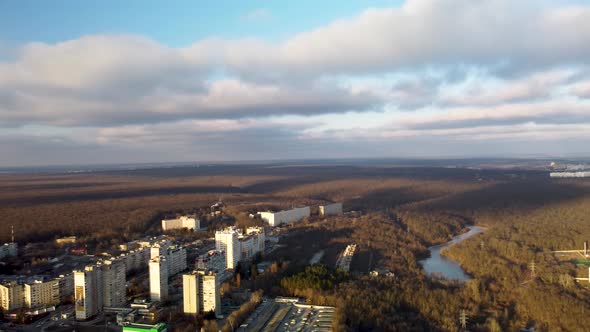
(142, 81)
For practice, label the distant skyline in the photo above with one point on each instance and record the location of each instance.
(85, 82)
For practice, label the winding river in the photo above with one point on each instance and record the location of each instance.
(439, 265)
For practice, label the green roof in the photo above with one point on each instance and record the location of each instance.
(160, 327)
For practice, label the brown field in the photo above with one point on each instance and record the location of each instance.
(45, 206)
(526, 214)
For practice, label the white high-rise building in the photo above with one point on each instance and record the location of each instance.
(227, 241)
(252, 242)
(175, 255)
(190, 293)
(238, 246)
(114, 283)
(88, 292)
(211, 293)
(159, 279)
(200, 290)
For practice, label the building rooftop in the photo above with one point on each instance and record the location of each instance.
(145, 327)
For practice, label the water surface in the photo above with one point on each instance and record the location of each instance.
(439, 265)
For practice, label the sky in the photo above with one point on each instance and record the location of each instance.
(85, 82)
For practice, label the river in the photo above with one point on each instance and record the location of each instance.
(439, 265)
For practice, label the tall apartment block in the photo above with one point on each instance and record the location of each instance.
(252, 242)
(238, 246)
(227, 241)
(200, 291)
(11, 296)
(88, 292)
(158, 279)
(175, 256)
(98, 286)
(114, 283)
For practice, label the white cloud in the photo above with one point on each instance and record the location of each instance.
(449, 70)
(517, 34)
(258, 14)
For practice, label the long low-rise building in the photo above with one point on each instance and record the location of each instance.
(581, 174)
(181, 223)
(285, 217)
(330, 209)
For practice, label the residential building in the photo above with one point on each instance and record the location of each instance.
(41, 293)
(11, 296)
(211, 292)
(181, 223)
(251, 243)
(227, 241)
(114, 283)
(238, 246)
(9, 249)
(159, 279)
(38, 292)
(214, 260)
(65, 286)
(153, 241)
(285, 217)
(201, 292)
(330, 209)
(176, 257)
(66, 240)
(136, 259)
(190, 293)
(576, 174)
(88, 292)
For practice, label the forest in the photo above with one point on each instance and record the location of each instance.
(396, 213)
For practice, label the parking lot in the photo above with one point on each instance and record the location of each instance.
(285, 316)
